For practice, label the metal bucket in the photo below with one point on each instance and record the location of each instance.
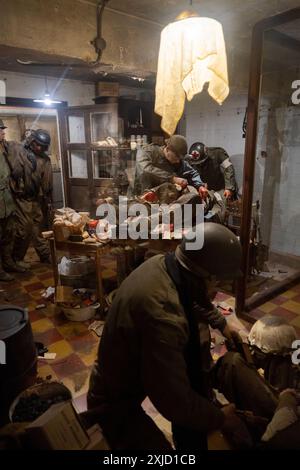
(88, 281)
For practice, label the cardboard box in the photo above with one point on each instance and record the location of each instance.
(97, 440)
(58, 429)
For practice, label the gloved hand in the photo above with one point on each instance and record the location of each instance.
(181, 181)
(233, 338)
(228, 194)
(203, 192)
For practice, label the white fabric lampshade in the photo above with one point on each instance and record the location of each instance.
(192, 52)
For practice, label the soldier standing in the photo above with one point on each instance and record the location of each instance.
(33, 193)
(7, 209)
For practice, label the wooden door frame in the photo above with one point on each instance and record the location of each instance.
(255, 77)
(61, 115)
(85, 112)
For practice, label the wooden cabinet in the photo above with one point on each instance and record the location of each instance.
(97, 159)
(139, 119)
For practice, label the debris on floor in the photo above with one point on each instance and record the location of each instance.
(48, 356)
(49, 293)
(225, 308)
(39, 307)
(97, 326)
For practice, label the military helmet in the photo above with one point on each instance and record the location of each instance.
(220, 255)
(272, 334)
(197, 150)
(41, 137)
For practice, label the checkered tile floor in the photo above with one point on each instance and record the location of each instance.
(76, 347)
(286, 305)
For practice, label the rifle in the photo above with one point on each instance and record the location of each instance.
(47, 210)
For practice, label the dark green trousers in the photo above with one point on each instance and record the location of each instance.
(29, 219)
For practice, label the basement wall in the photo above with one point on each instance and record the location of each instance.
(75, 92)
(277, 166)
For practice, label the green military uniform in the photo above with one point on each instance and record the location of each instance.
(153, 169)
(30, 190)
(7, 208)
(216, 169)
(148, 349)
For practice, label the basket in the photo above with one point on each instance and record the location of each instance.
(80, 314)
(46, 391)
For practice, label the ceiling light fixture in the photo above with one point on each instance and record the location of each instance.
(192, 52)
(47, 100)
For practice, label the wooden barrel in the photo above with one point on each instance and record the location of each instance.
(18, 368)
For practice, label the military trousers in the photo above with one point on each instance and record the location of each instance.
(29, 219)
(129, 428)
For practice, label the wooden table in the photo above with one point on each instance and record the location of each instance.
(118, 248)
(96, 250)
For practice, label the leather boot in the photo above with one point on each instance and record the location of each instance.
(23, 264)
(12, 267)
(5, 277)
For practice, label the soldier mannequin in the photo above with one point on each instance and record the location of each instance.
(32, 191)
(156, 343)
(7, 209)
(215, 168)
(156, 165)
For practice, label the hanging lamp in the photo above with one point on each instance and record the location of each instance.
(192, 52)
(47, 100)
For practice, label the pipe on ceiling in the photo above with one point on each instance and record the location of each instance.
(129, 15)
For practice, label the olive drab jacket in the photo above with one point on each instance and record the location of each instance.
(34, 177)
(153, 169)
(142, 352)
(7, 205)
(216, 169)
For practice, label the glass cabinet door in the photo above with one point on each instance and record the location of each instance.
(103, 165)
(90, 153)
(78, 164)
(76, 130)
(104, 125)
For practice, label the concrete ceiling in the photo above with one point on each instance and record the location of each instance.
(236, 16)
